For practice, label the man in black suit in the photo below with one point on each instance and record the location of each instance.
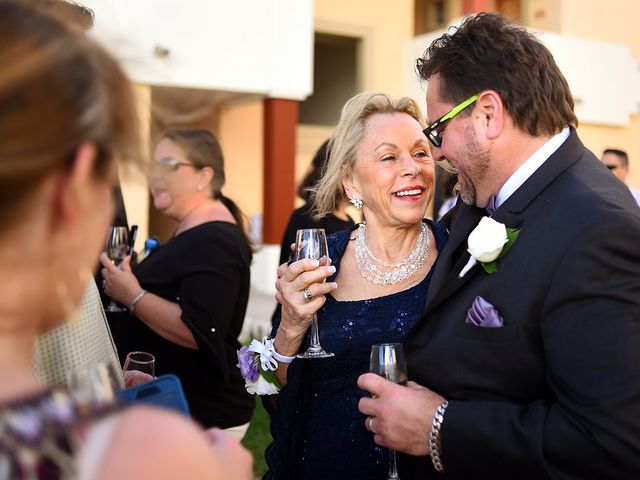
(531, 371)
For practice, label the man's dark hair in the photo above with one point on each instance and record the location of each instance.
(621, 154)
(488, 52)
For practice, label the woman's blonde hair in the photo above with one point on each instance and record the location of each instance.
(346, 138)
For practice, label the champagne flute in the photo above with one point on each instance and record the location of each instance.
(312, 243)
(117, 249)
(387, 360)
(141, 361)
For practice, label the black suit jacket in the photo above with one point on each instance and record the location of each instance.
(555, 392)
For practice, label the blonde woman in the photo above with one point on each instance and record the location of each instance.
(375, 290)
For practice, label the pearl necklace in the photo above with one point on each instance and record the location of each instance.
(381, 273)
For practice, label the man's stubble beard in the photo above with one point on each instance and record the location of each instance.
(475, 167)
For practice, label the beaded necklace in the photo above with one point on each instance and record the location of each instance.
(376, 271)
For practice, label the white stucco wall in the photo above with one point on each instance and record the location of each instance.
(255, 46)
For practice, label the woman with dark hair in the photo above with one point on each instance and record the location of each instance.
(187, 301)
(303, 217)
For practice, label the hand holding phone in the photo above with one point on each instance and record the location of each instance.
(164, 391)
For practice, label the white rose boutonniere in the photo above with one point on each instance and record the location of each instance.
(488, 243)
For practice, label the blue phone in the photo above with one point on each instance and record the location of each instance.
(164, 391)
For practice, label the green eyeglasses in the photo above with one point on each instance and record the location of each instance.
(432, 132)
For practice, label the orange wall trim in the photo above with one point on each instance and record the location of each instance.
(475, 6)
(280, 121)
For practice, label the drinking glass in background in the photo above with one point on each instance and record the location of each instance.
(387, 360)
(117, 249)
(93, 385)
(140, 361)
(312, 243)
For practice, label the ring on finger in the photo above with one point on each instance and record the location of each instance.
(370, 425)
(306, 293)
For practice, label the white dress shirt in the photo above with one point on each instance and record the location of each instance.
(636, 194)
(533, 163)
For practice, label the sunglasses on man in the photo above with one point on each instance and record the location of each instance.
(434, 130)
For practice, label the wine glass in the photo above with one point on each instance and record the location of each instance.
(141, 361)
(312, 243)
(117, 248)
(387, 360)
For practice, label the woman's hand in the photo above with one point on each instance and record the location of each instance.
(133, 378)
(301, 292)
(119, 283)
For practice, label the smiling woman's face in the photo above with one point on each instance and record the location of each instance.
(393, 172)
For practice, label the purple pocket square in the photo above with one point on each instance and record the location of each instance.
(483, 314)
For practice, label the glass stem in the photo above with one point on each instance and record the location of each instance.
(393, 470)
(315, 337)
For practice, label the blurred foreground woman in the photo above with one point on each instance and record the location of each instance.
(67, 115)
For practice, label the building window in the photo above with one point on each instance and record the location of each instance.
(335, 79)
(431, 15)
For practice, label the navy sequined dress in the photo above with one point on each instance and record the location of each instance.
(318, 432)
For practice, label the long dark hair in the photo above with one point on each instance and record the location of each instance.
(203, 149)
